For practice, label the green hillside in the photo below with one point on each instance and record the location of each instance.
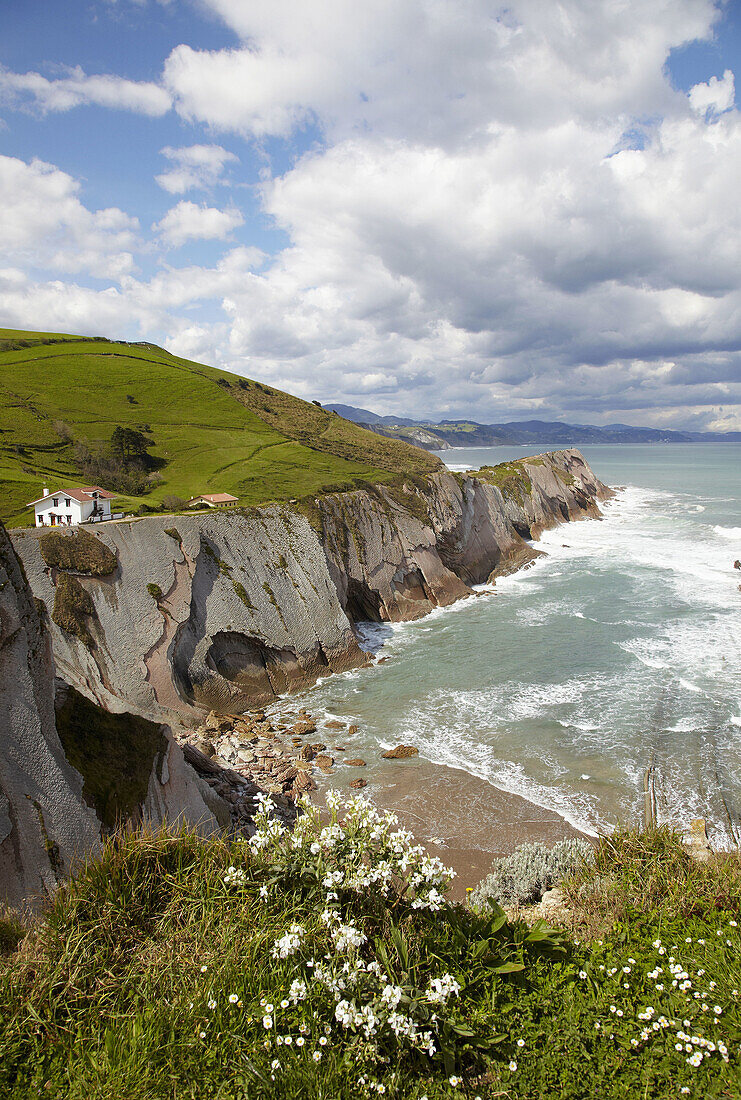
(211, 431)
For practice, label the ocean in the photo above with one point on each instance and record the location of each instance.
(618, 651)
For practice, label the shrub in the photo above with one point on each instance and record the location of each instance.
(72, 604)
(526, 874)
(63, 430)
(79, 551)
(173, 503)
(154, 591)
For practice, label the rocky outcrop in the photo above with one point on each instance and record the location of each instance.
(70, 770)
(228, 610)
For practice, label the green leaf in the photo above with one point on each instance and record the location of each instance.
(509, 968)
(459, 1029)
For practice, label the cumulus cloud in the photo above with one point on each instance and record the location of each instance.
(190, 222)
(716, 95)
(32, 90)
(441, 72)
(43, 223)
(194, 167)
(510, 212)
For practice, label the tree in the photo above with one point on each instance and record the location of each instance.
(129, 445)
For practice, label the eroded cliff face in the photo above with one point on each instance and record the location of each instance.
(228, 610)
(44, 826)
(70, 770)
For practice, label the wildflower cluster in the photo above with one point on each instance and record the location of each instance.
(235, 876)
(682, 1017)
(335, 980)
(364, 850)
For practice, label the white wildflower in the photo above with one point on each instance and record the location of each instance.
(289, 943)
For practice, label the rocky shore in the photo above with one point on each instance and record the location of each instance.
(241, 755)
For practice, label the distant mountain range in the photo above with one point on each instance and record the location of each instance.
(468, 433)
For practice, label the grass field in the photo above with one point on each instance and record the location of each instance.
(216, 431)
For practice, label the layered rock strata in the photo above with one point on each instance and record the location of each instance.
(45, 827)
(71, 771)
(230, 610)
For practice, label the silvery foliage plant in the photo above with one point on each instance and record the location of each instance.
(523, 877)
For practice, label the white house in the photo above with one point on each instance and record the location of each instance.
(68, 507)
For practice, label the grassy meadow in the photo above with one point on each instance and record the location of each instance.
(214, 431)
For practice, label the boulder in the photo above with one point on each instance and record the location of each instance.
(401, 752)
(358, 784)
(355, 763)
(696, 841)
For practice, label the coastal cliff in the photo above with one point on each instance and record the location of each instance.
(70, 770)
(170, 615)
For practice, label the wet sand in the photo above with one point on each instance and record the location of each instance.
(463, 820)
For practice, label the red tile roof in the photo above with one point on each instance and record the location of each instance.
(97, 489)
(82, 494)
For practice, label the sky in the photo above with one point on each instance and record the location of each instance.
(430, 208)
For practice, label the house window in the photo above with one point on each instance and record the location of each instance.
(55, 502)
(67, 502)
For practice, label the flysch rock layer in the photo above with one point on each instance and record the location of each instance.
(44, 825)
(230, 610)
(70, 770)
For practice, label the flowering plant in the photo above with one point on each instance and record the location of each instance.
(358, 975)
